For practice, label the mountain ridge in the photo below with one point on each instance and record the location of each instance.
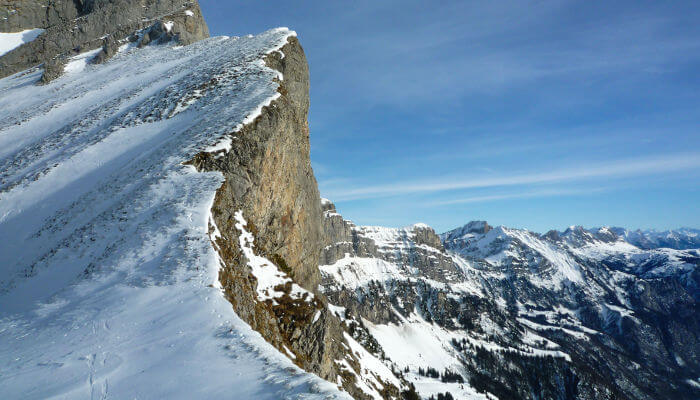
(498, 296)
(678, 238)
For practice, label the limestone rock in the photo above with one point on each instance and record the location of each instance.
(268, 177)
(53, 68)
(74, 27)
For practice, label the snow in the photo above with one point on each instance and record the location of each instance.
(268, 275)
(543, 328)
(189, 13)
(428, 343)
(374, 374)
(11, 40)
(109, 280)
(337, 310)
(168, 25)
(224, 144)
(565, 267)
(500, 246)
(387, 237)
(559, 318)
(432, 387)
(79, 62)
(355, 272)
(415, 343)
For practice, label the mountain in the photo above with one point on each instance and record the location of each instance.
(680, 239)
(144, 190)
(162, 236)
(481, 311)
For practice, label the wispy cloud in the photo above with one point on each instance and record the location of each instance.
(611, 170)
(519, 195)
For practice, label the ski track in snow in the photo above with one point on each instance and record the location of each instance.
(109, 279)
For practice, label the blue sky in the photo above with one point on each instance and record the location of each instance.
(531, 114)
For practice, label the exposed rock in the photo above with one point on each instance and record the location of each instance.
(53, 68)
(268, 177)
(18, 15)
(109, 48)
(74, 27)
(423, 234)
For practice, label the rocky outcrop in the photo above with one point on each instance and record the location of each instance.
(18, 15)
(73, 27)
(269, 181)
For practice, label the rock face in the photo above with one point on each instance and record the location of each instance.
(577, 314)
(269, 182)
(109, 282)
(73, 27)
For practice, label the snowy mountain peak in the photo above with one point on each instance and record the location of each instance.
(679, 239)
(467, 231)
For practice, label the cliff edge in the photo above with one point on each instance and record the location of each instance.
(268, 221)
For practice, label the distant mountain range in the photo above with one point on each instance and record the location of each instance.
(484, 311)
(680, 239)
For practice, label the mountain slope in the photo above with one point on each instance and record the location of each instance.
(109, 280)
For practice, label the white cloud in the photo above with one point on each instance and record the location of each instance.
(611, 170)
(519, 195)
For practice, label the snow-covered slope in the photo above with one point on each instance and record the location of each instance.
(108, 283)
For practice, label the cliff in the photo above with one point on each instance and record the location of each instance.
(270, 192)
(110, 285)
(99, 195)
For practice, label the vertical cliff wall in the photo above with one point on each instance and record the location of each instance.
(109, 284)
(266, 225)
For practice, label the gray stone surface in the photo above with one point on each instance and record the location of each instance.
(268, 177)
(75, 27)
